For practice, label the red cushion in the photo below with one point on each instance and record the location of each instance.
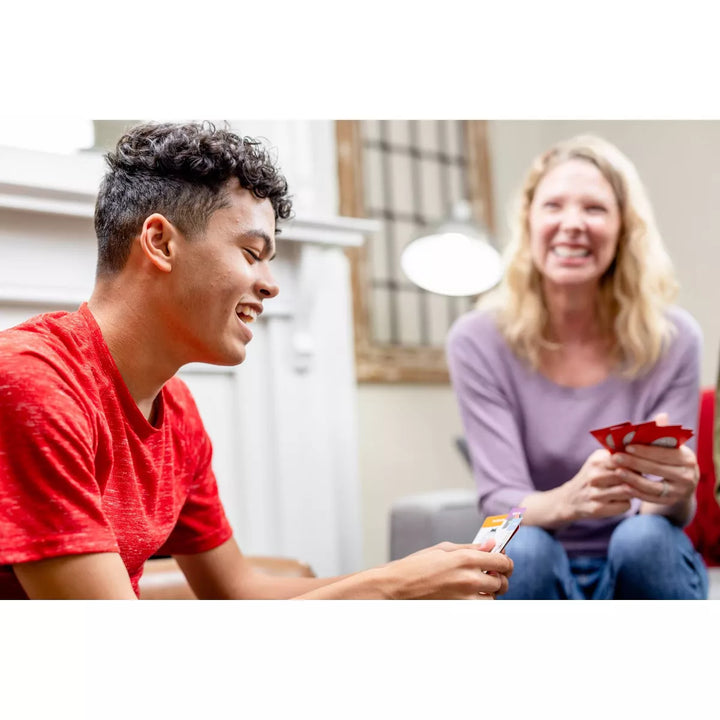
(704, 530)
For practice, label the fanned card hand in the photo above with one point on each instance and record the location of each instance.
(616, 437)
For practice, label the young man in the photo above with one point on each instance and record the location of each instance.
(104, 460)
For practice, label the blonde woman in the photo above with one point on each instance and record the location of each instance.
(582, 334)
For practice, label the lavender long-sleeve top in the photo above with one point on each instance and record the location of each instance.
(526, 433)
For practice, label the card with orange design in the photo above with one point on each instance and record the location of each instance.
(499, 528)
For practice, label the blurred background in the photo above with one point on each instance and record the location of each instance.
(403, 177)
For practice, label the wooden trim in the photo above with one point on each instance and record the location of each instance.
(394, 363)
(480, 177)
(351, 205)
(401, 364)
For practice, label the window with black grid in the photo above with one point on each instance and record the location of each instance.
(414, 172)
(408, 175)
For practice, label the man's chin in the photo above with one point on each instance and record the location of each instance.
(231, 356)
(236, 358)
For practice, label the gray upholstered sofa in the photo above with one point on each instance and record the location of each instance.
(418, 521)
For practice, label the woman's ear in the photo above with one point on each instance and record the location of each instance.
(157, 241)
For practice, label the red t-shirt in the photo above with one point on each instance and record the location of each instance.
(81, 469)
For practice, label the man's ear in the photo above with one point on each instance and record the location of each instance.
(158, 239)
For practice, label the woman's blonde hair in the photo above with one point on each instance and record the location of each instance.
(634, 291)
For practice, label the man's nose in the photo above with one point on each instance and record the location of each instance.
(266, 285)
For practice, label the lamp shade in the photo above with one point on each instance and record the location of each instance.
(455, 259)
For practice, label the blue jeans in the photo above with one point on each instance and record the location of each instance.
(648, 558)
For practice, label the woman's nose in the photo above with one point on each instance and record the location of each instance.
(572, 219)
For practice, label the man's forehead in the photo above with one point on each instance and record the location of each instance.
(258, 208)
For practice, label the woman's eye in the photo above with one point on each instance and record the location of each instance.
(551, 205)
(252, 254)
(596, 209)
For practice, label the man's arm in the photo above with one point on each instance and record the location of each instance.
(93, 576)
(225, 573)
(443, 571)
(220, 573)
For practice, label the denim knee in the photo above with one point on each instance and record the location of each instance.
(541, 566)
(650, 558)
(640, 538)
(531, 544)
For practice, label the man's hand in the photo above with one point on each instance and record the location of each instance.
(447, 571)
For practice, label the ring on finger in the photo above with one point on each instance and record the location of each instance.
(665, 489)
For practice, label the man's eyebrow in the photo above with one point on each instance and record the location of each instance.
(268, 245)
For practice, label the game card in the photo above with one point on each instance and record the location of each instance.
(606, 436)
(616, 437)
(499, 528)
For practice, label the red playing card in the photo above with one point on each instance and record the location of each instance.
(663, 435)
(622, 435)
(605, 435)
(644, 433)
(616, 437)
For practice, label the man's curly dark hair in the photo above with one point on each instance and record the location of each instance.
(180, 171)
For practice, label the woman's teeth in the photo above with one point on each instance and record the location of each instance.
(570, 252)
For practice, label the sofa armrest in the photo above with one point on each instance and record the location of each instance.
(419, 521)
(163, 579)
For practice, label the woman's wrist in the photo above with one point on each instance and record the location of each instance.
(564, 511)
(679, 513)
(548, 508)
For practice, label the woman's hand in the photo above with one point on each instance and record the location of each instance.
(597, 491)
(674, 495)
(677, 467)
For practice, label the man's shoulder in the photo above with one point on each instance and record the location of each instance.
(43, 353)
(49, 333)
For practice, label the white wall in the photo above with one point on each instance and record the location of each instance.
(406, 446)
(406, 432)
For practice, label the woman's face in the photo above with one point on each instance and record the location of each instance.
(574, 224)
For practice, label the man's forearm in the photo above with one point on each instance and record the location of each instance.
(365, 585)
(275, 587)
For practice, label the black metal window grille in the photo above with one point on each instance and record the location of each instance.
(414, 171)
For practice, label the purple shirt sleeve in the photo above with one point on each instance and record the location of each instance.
(477, 358)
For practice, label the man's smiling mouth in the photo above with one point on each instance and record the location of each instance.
(247, 313)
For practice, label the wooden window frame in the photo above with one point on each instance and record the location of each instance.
(384, 363)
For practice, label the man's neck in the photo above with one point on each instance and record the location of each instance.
(135, 341)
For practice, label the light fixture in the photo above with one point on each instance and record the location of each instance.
(456, 258)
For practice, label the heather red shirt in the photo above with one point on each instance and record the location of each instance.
(81, 469)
